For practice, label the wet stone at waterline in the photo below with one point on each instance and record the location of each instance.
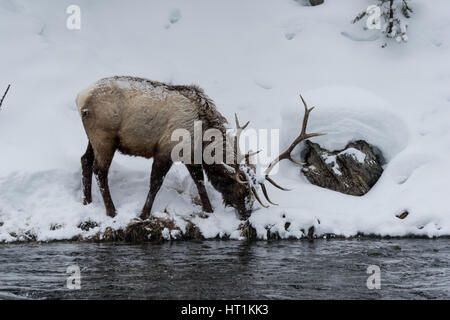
(353, 170)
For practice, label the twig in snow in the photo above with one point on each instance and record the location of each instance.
(4, 95)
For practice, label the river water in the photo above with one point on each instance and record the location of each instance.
(323, 269)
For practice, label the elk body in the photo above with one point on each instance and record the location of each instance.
(138, 116)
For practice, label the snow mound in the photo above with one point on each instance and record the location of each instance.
(347, 114)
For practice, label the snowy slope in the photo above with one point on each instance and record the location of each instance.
(252, 57)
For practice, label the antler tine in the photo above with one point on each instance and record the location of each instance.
(237, 123)
(303, 136)
(306, 116)
(276, 184)
(250, 154)
(239, 130)
(253, 190)
(239, 156)
(263, 187)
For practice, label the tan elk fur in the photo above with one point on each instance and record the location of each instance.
(137, 117)
(141, 115)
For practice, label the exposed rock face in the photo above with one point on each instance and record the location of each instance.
(159, 229)
(152, 229)
(315, 2)
(309, 2)
(353, 170)
(87, 225)
(248, 231)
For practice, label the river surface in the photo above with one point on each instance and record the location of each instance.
(335, 269)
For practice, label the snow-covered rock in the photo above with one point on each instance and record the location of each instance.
(353, 170)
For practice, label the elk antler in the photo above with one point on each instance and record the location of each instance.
(239, 158)
(287, 153)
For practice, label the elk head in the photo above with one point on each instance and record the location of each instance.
(236, 180)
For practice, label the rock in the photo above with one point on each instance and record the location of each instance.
(403, 215)
(24, 236)
(109, 235)
(152, 229)
(315, 2)
(287, 225)
(192, 232)
(374, 252)
(248, 231)
(112, 235)
(55, 226)
(309, 2)
(310, 234)
(159, 229)
(87, 225)
(353, 170)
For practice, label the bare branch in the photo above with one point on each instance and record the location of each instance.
(4, 95)
(359, 17)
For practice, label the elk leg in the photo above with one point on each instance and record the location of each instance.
(196, 172)
(101, 169)
(159, 170)
(87, 162)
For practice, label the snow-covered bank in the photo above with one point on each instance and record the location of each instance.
(251, 57)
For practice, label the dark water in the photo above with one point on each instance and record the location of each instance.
(410, 269)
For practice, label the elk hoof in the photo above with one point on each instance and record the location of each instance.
(86, 201)
(111, 214)
(208, 210)
(144, 216)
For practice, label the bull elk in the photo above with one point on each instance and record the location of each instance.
(137, 117)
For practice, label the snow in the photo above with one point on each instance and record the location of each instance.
(334, 165)
(175, 16)
(251, 57)
(355, 154)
